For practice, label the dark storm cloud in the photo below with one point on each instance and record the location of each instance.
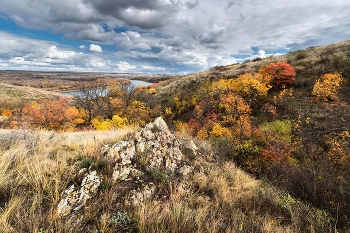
(139, 13)
(212, 36)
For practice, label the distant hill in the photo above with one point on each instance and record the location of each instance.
(309, 65)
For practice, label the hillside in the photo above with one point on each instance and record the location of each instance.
(151, 181)
(308, 63)
(262, 146)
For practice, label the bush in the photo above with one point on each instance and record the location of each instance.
(327, 87)
(300, 54)
(282, 74)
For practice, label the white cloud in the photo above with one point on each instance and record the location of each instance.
(141, 46)
(55, 53)
(153, 68)
(124, 66)
(95, 48)
(261, 53)
(82, 47)
(173, 33)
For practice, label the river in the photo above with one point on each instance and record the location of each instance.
(135, 82)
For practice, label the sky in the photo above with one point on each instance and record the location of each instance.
(161, 36)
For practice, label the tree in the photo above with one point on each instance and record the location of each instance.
(92, 98)
(281, 73)
(106, 124)
(250, 86)
(53, 115)
(327, 87)
(124, 92)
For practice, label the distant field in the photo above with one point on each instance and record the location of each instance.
(13, 96)
(67, 81)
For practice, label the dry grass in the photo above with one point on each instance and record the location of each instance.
(35, 171)
(228, 200)
(12, 96)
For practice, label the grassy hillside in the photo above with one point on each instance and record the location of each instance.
(274, 158)
(290, 137)
(309, 65)
(37, 166)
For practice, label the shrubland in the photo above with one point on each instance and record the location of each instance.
(283, 120)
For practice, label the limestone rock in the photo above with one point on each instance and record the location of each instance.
(185, 170)
(76, 199)
(139, 196)
(153, 147)
(155, 142)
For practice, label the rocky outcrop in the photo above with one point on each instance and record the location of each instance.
(151, 156)
(76, 198)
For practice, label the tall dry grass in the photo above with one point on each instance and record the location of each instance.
(229, 200)
(36, 168)
(34, 173)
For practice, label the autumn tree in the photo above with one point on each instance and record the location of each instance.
(281, 74)
(221, 110)
(123, 94)
(236, 112)
(116, 122)
(251, 87)
(92, 98)
(327, 87)
(139, 113)
(53, 115)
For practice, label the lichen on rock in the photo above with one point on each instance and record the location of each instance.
(153, 149)
(76, 199)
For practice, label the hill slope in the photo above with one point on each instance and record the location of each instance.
(52, 183)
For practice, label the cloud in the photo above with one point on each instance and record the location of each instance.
(175, 41)
(191, 3)
(124, 66)
(141, 46)
(149, 14)
(82, 47)
(54, 53)
(212, 36)
(95, 48)
(177, 35)
(152, 68)
(261, 53)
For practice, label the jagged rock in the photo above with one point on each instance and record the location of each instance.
(139, 196)
(124, 173)
(155, 141)
(185, 170)
(75, 199)
(152, 147)
(189, 148)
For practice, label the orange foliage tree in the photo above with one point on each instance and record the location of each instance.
(221, 112)
(281, 74)
(53, 115)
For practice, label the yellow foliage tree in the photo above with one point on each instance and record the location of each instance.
(236, 112)
(250, 87)
(138, 113)
(328, 86)
(152, 90)
(219, 131)
(106, 124)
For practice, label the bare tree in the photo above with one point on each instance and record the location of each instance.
(93, 99)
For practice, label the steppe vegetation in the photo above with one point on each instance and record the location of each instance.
(282, 120)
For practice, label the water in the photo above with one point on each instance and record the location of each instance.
(135, 82)
(140, 83)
